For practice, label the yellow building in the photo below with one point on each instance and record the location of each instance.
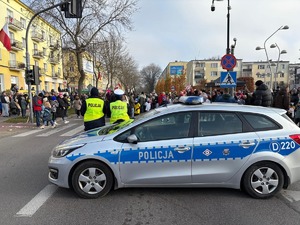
(44, 48)
(71, 74)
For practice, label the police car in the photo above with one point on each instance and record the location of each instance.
(255, 149)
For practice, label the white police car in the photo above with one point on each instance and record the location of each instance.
(204, 145)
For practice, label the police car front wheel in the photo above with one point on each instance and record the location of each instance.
(92, 179)
(263, 180)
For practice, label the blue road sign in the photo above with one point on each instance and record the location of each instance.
(228, 62)
(228, 79)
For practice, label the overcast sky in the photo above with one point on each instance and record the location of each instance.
(184, 30)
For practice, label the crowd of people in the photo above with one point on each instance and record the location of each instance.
(119, 106)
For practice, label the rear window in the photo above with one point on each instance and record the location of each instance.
(261, 122)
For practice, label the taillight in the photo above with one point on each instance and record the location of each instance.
(296, 138)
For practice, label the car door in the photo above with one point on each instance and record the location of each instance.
(162, 154)
(221, 147)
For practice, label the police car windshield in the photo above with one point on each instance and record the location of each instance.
(147, 114)
(112, 128)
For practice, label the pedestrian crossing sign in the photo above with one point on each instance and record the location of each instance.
(228, 79)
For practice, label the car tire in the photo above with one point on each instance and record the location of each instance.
(92, 179)
(263, 180)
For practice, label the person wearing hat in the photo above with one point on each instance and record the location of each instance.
(262, 96)
(119, 110)
(93, 111)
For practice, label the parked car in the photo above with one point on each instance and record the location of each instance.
(226, 145)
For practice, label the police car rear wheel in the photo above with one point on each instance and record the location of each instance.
(92, 179)
(263, 180)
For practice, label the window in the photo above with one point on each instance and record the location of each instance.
(261, 122)
(218, 123)
(71, 69)
(24, 42)
(282, 66)
(47, 86)
(261, 67)
(45, 67)
(23, 22)
(172, 126)
(281, 75)
(44, 51)
(214, 65)
(214, 73)
(10, 13)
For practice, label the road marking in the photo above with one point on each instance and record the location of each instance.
(31, 207)
(74, 131)
(292, 196)
(28, 133)
(55, 130)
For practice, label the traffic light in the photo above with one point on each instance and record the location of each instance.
(73, 9)
(29, 78)
(36, 75)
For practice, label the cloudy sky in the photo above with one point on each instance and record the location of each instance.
(184, 30)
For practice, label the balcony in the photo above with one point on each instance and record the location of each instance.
(55, 75)
(15, 65)
(54, 60)
(36, 36)
(16, 45)
(14, 24)
(37, 54)
(54, 45)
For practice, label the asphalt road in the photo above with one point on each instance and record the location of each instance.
(28, 198)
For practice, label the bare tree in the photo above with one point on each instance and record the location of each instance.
(128, 73)
(99, 18)
(149, 76)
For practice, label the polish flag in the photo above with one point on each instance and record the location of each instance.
(4, 37)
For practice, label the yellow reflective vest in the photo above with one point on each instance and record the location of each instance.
(94, 109)
(118, 111)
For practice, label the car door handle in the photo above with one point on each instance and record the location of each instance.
(247, 144)
(182, 149)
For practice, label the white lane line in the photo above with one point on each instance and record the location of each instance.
(292, 196)
(31, 207)
(74, 131)
(28, 133)
(55, 130)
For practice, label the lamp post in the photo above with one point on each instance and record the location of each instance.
(228, 21)
(259, 48)
(279, 53)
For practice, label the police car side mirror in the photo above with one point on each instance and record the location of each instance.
(132, 139)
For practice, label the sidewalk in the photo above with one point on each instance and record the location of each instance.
(4, 124)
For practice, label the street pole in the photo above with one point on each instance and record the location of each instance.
(228, 25)
(28, 56)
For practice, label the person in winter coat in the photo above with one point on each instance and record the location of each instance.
(47, 117)
(225, 97)
(282, 99)
(93, 111)
(77, 105)
(262, 96)
(37, 102)
(62, 107)
(54, 105)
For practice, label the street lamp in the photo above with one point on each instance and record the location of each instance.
(259, 48)
(228, 21)
(279, 53)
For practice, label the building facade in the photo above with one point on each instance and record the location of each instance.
(44, 48)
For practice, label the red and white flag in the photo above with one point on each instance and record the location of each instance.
(4, 37)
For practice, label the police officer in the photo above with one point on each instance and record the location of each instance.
(119, 110)
(93, 111)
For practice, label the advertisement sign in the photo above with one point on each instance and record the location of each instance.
(176, 70)
(87, 66)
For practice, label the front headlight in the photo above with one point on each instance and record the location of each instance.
(63, 150)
